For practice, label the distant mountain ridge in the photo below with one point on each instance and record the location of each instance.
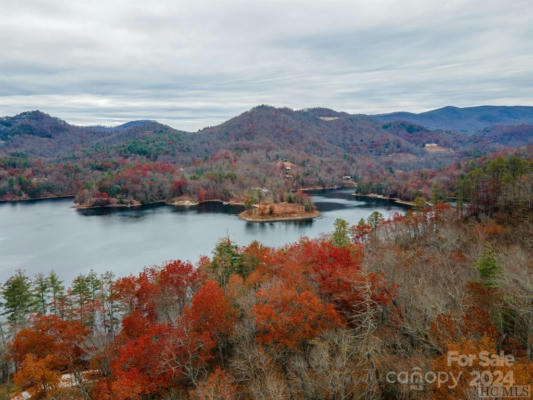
(38, 133)
(318, 131)
(449, 118)
(467, 119)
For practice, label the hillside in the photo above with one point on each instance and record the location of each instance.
(35, 133)
(501, 137)
(145, 161)
(320, 132)
(466, 120)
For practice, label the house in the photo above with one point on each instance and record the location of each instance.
(287, 166)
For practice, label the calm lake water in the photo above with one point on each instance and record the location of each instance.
(50, 235)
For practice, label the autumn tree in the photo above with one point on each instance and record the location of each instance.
(287, 318)
(37, 373)
(217, 387)
(177, 282)
(137, 370)
(204, 328)
(50, 335)
(360, 231)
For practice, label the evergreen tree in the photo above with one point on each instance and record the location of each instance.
(57, 291)
(420, 203)
(340, 235)
(41, 294)
(226, 261)
(375, 219)
(80, 296)
(437, 194)
(17, 299)
(110, 307)
(489, 269)
(94, 287)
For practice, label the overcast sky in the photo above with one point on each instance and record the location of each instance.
(195, 63)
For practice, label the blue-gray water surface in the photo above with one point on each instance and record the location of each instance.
(47, 235)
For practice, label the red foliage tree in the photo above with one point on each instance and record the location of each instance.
(337, 270)
(205, 325)
(176, 284)
(50, 335)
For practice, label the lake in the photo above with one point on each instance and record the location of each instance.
(45, 235)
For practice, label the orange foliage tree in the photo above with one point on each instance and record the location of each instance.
(38, 374)
(285, 317)
(50, 335)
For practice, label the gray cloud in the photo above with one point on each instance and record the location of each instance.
(192, 64)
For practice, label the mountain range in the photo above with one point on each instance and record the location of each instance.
(318, 131)
(276, 149)
(465, 120)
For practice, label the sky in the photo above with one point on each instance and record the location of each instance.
(192, 64)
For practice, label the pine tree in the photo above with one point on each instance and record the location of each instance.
(340, 235)
(41, 294)
(489, 269)
(226, 261)
(80, 296)
(57, 291)
(17, 299)
(420, 203)
(437, 194)
(375, 219)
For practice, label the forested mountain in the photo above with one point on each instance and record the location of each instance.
(499, 137)
(35, 133)
(318, 131)
(142, 160)
(467, 119)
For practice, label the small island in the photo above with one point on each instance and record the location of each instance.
(270, 212)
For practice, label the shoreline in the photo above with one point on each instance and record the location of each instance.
(381, 197)
(116, 206)
(67, 196)
(315, 188)
(175, 203)
(274, 218)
